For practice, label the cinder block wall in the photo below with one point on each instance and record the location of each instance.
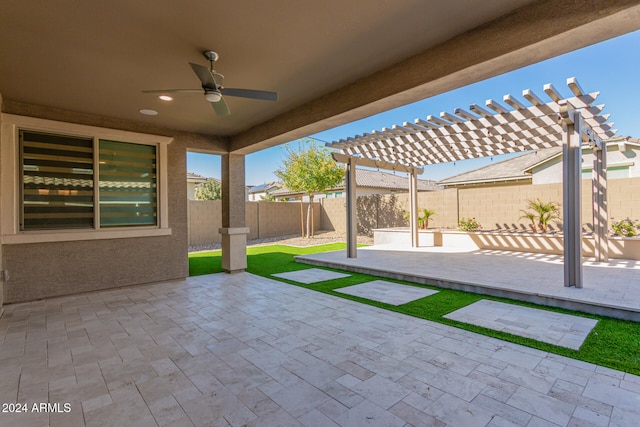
(495, 207)
(205, 218)
(333, 214)
(264, 219)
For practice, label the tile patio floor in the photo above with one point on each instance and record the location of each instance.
(239, 349)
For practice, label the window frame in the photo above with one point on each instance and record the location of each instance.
(11, 181)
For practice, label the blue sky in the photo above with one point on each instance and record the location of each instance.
(611, 67)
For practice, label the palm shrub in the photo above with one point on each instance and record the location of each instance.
(424, 215)
(540, 214)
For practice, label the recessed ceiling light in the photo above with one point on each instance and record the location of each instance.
(165, 98)
(149, 112)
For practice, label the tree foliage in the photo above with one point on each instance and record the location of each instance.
(210, 190)
(309, 169)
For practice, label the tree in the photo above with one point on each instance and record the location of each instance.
(210, 190)
(309, 169)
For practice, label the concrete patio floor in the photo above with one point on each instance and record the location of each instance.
(240, 349)
(610, 288)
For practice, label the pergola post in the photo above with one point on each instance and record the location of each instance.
(571, 186)
(600, 214)
(413, 209)
(352, 221)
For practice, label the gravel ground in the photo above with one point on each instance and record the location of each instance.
(320, 238)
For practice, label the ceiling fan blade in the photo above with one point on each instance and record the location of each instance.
(173, 91)
(221, 108)
(205, 75)
(250, 93)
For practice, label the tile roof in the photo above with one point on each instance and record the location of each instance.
(263, 187)
(505, 170)
(374, 179)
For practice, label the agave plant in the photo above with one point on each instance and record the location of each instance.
(541, 213)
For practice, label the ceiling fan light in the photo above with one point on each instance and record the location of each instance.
(213, 96)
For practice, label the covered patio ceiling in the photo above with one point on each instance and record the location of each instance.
(481, 131)
(331, 62)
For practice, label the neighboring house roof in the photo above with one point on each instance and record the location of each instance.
(506, 170)
(264, 188)
(521, 167)
(374, 179)
(619, 141)
(194, 177)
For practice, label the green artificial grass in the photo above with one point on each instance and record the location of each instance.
(612, 343)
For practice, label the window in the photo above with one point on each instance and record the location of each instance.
(127, 184)
(67, 185)
(57, 181)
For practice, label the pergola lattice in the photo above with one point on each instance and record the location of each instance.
(489, 131)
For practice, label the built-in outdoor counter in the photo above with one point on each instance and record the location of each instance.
(619, 247)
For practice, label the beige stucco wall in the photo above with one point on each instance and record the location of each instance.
(39, 270)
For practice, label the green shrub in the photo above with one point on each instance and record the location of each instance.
(468, 224)
(625, 227)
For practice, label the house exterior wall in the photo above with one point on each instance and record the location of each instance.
(628, 159)
(46, 269)
(39, 270)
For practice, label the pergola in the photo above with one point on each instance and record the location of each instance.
(489, 131)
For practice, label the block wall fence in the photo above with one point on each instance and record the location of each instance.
(495, 207)
(264, 219)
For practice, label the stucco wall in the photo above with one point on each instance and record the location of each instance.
(551, 172)
(39, 270)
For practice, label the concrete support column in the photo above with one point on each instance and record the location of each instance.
(352, 219)
(571, 185)
(413, 209)
(600, 214)
(234, 231)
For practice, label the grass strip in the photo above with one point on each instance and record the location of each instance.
(612, 343)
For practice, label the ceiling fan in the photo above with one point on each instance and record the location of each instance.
(213, 90)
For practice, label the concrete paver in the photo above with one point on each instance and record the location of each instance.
(245, 350)
(555, 328)
(387, 292)
(310, 275)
